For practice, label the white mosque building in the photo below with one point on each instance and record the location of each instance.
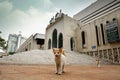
(94, 31)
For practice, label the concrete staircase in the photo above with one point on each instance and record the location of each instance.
(47, 57)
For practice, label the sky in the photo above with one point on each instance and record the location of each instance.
(32, 16)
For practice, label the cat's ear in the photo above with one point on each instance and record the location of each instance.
(60, 49)
(63, 52)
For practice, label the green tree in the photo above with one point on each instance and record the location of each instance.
(3, 43)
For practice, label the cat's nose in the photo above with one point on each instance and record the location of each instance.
(56, 55)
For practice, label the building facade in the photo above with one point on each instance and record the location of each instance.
(99, 30)
(33, 42)
(60, 33)
(14, 41)
(94, 31)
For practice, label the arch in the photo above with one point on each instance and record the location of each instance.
(83, 39)
(72, 43)
(60, 44)
(54, 38)
(49, 44)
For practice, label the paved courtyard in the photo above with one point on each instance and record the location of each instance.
(46, 72)
(39, 65)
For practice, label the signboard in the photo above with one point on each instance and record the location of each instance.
(112, 31)
(93, 47)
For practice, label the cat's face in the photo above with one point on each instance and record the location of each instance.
(56, 52)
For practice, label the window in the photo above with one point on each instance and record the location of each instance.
(114, 19)
(107, 22)
(83, 39)
(102, 31)
(72, 43)
(112, 31)
(96, 28)
(49, 44)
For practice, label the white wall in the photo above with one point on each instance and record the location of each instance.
(67, 27)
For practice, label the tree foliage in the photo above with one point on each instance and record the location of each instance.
(3, 43)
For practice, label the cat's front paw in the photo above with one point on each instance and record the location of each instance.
(59, 73)
(63, 71)
(56, 72)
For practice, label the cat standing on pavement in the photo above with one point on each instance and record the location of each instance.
(59, 60)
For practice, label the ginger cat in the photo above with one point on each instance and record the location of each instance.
(59, 60)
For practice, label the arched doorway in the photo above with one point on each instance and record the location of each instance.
(49, 44)
(60, 44)
(54, 39)
(72, 43)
